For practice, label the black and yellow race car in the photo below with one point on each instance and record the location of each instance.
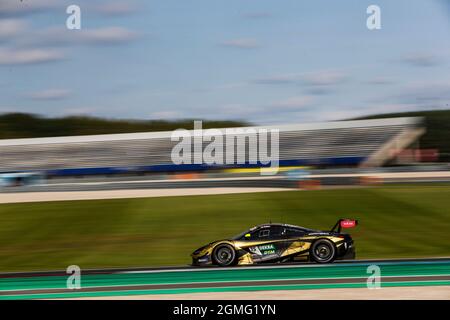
(276, 242)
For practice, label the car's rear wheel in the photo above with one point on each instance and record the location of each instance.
(323, 251)
(224, 255)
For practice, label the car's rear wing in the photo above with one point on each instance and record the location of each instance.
(344, 223)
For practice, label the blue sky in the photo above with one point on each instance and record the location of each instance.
(264, 61)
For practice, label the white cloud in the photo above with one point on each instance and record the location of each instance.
(243, 43)
(316, 78)
(106, 35)
(78, 111)
(11, 27)
(238, 110)
(323, 78)
(165, 115)
(116, 8)
(380, 81)
(421, 60)
(49, 94)
(24, 7)
(315, 83)
(293, 103)
(86, 36)
(38, 46)
(28, 56)
(289, 105)
(278, 79)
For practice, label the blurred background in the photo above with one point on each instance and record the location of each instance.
(86, 175)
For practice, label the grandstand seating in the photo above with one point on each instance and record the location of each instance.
(331, 143)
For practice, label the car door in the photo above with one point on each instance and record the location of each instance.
(293, 241)
(266, 243)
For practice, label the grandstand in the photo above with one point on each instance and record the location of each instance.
(340, 143)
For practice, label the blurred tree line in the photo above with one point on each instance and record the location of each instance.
(23, 125)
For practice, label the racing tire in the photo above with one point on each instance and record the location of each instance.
(323, 251)
(224, 255)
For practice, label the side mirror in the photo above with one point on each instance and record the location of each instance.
(247, 235)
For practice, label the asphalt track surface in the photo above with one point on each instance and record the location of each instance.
(187, 279)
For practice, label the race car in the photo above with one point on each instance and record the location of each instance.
(277, 242)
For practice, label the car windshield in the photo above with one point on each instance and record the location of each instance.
(241, 235)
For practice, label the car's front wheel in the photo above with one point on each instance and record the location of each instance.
(224, 255)
(323, 251)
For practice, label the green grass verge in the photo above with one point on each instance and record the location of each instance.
(395, 222)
